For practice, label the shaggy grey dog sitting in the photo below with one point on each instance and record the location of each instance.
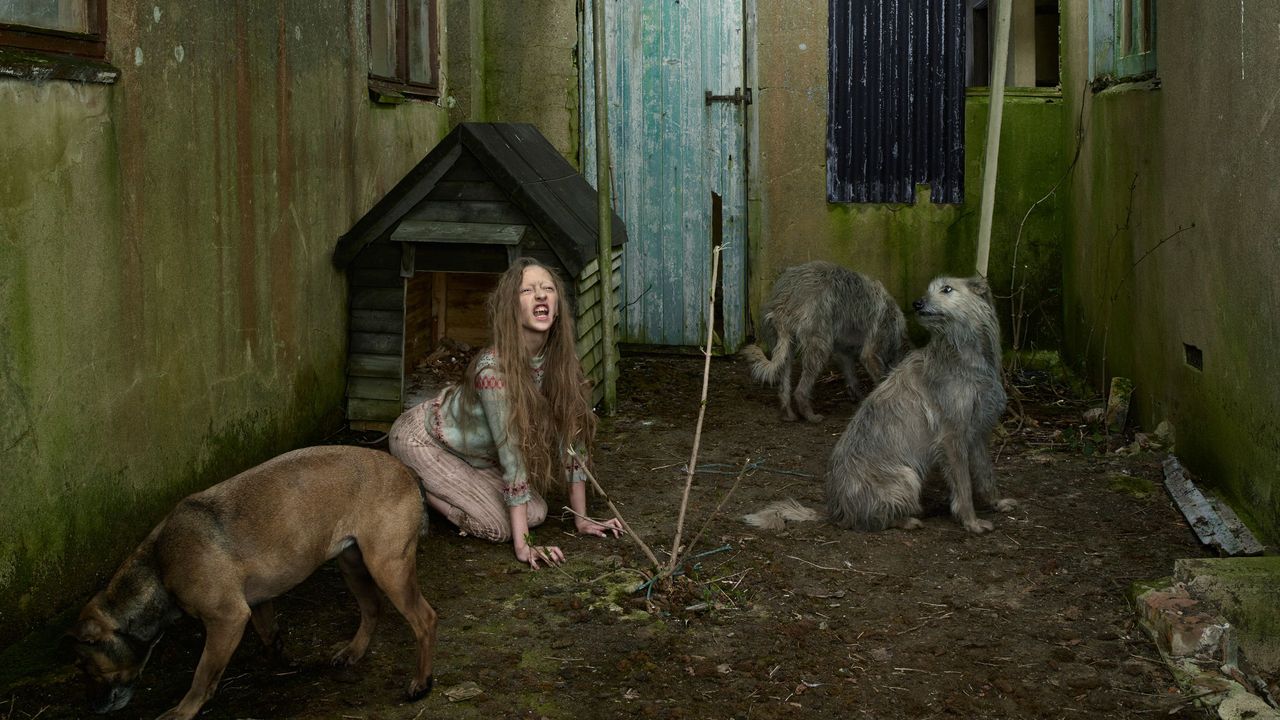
(823, 310)
(936, 409)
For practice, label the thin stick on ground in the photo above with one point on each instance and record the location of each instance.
(657, 566)
(816, 565)
(694, 542)
(702, 410)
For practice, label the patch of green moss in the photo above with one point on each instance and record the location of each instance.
(1138, 487)
(1138, 588)
(610, 593)
(640, 616)
(538, 661)
(1246, 588)
(513, 601)
(1050, 363)
(543, 704)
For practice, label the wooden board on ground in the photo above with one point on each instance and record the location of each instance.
(1228, 536)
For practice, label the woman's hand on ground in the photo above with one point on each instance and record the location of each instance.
(587, 526)
(534, 554)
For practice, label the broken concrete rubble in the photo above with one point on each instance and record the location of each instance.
(1214, 623)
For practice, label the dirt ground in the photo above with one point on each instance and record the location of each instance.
(1029, 621)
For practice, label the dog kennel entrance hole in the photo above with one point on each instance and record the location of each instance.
(445, 323)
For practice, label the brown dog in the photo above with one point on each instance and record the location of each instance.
(222, 554)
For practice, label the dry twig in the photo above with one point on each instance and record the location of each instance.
(702, 411)
(820, 567)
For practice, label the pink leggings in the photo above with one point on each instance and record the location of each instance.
(473, 495)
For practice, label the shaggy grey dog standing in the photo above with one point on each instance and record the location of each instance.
(821, 309)
(937, 408)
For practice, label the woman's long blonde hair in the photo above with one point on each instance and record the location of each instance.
(542, 422)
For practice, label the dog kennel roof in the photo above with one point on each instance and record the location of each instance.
(522, 163)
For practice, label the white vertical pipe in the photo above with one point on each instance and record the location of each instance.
(995, 114)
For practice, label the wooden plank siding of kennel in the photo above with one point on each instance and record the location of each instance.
(421, 262)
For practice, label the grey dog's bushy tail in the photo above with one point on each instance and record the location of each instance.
(764, 368)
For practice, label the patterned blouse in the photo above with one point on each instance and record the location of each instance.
(479, 436)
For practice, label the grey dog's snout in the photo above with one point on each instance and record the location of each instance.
(917, 304)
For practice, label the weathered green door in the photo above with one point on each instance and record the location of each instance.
(677, 113)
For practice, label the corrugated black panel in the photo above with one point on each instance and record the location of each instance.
(896, 100)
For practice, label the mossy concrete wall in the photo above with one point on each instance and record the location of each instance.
(521, 62)
(904, 246)
(520, 75)
(168, 311)
(1173, 214)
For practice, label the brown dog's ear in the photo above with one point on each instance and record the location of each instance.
(90, 630)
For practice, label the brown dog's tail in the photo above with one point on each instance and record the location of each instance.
(776, 515)
(764, 369)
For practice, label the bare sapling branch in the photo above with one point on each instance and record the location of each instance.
(702, 409)
(657, 566)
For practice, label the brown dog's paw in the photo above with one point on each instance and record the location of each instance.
(814, 417)
(1006, 504)
(345, 658)
(417, 692)
(978, 527)
(911, 523)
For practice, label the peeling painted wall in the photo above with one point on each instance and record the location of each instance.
(168, 311)
(904, 246)
(1174, 238)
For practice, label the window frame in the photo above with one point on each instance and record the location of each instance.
(401, 86)
(1143, 60)
(91, 45)
(980, 46)
(1109, 62)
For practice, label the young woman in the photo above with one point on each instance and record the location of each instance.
(488, 449)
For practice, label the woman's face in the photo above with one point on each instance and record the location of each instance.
(538, 301)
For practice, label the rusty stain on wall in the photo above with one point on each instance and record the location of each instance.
(281, 250)
(244, 181)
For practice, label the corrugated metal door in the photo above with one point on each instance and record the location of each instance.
(896, 100)
(677, 113)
